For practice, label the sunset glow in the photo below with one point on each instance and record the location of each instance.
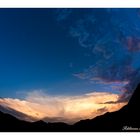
(67, 64)
(67, 109)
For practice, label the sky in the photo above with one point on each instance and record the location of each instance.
(66, 54)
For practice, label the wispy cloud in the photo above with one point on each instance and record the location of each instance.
(68, 109)
(62, 13)
(112, 37)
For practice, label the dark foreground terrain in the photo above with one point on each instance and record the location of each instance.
(124, 120)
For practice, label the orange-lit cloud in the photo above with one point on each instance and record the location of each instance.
(69, 109)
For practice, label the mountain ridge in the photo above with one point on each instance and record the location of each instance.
(124, 120)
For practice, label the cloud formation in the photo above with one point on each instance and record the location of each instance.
(69, 109)
(112, 38)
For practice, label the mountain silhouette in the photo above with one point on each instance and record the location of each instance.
(124, 120)
(17, 114)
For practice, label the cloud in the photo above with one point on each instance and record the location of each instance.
(17, 114)
(82, 34)
(89, 27)
(103, 109)
(132, 43)
(69, 109)
(134, 81)
(112, 38)
(62, 13)
(81, 75)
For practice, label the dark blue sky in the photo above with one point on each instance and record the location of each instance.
(68, 51)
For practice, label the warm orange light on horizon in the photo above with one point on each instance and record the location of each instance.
(68, 109)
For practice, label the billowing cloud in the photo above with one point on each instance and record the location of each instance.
(69, 109)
